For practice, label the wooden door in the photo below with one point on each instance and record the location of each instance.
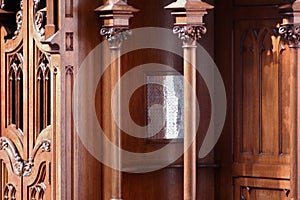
(261, 124)
(28, 101)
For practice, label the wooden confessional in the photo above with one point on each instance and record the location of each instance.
(255, 45)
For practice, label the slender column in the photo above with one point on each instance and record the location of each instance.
(189, 181)
(189, 26)
(115, 36)
(116, 16)
(290, 32)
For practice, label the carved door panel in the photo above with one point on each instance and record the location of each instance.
(28, 85)
(264, 109)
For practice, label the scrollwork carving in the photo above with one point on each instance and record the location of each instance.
(115, 35)
(19, 20)
(291, 33)
(189, 33)
(40, 22)
(22, 167)
(39, 17)
(13, 154)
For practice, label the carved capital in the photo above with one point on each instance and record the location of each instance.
(291, 33)
(189, 33)
(115, 35)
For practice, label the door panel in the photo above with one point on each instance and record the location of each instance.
(28, 96)
(263, 108)
(253, 189)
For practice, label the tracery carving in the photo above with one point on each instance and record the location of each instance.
(9, 192)
(43, 93)
(19, 166)
(38, 191)
(15, 92)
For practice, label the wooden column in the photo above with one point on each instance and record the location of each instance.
(290, 32)
(189, 53)
(116, 16)
(189, 26)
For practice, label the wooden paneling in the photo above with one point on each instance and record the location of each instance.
(259, 136)
(256, 189)
(263, 120)
(259, 2)
(86, 35)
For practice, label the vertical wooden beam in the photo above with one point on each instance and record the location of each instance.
(116, 175)
(289, 31)
(189, 181)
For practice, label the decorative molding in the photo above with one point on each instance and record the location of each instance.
(39, 189)
(286, 192)
(189, 33)
(69, 41)
(53, 42)
(69, 69)
(115, 35)
(40, 15)
(69, 8)
(16, 61)
(19, 166)
(9, 191)
(242, 197)
(55, 71)
(291, 33)
(19, 20)
(40, 22)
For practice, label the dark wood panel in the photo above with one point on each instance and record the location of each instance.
(89, 174)
(260, 170)
(256, 12)
(223, 59)
(287, 109)
(259, 2)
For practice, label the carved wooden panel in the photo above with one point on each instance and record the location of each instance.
(263, 109)
(28, 96)
(253, 189)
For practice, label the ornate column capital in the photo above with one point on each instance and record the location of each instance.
(115, 15)
(290, 27)
(189, 15)
(291, 33)
(115, 35)
(189, 33)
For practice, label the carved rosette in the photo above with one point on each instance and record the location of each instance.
(189, 33)
(115, 35)
(291, 33)
(22, 167)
